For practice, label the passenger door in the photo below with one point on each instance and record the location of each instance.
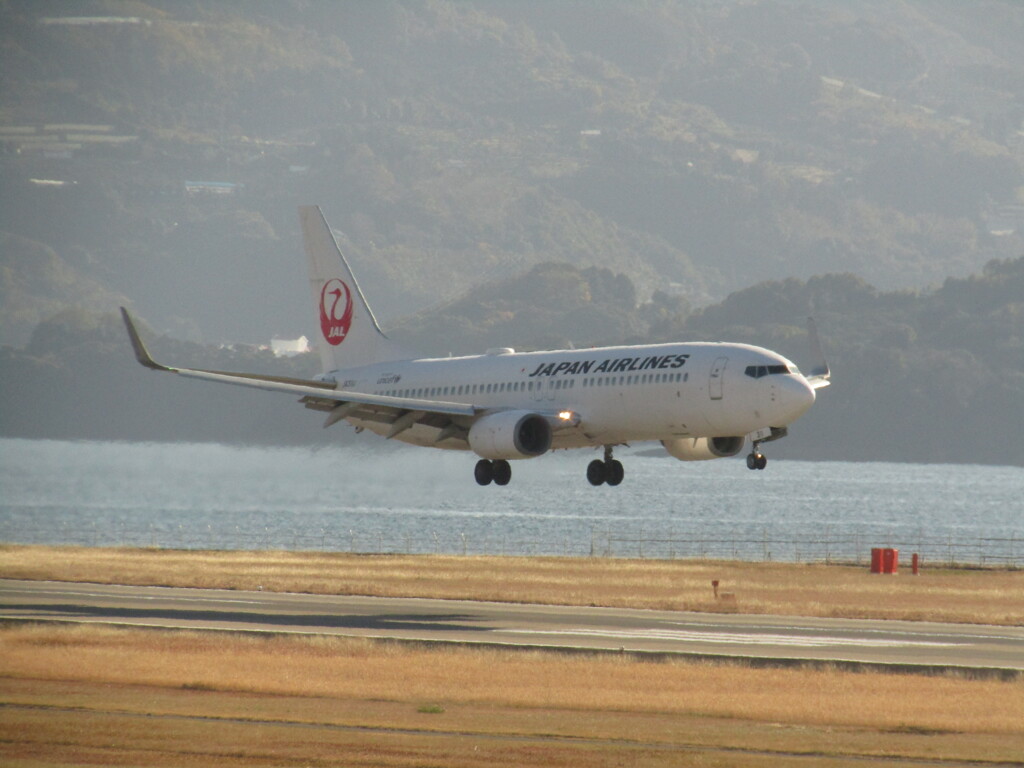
(717, 378)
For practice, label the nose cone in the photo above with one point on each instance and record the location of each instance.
(795, 397)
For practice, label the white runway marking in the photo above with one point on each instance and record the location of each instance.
(733, 638)
(63, 595)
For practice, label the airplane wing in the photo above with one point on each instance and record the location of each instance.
(452, 420)
(318, 395)
(819, 375)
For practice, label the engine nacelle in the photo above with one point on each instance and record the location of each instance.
(510, 435)
(703, 448)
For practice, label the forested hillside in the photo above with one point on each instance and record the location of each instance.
(936, 376)
(155, 151)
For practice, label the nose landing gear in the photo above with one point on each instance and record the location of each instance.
(756, 459)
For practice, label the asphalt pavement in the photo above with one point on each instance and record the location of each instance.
(769, 640)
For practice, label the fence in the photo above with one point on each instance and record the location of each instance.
(819, 547)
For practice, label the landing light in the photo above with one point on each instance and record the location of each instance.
(564, 419)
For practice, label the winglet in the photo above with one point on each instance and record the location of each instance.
(820, 373)
(141, 353)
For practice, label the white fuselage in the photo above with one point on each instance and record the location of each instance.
(700, 400)
(620, 394)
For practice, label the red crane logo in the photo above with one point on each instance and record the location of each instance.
(335, 311)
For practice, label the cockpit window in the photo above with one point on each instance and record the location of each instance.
(757, 371)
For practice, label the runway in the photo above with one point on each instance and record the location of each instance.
(896, 645)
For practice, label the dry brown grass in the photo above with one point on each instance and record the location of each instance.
(102, 695)
(972, 596)
(363, 669)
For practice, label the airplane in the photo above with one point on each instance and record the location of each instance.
(700, 400)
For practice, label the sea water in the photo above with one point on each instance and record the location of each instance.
(208, 496)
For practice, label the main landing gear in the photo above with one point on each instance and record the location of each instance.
(609, 471)
(499, 472)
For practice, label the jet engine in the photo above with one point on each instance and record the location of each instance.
(703, 448)
(510, 435)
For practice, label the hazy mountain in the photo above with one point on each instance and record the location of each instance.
(515, 173)
(698, 148)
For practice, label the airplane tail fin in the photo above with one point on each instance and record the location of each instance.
(347, 332)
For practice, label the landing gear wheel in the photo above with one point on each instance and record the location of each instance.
(483, 472)
(501, 471)
(614, 472)
(596, 472)
(756, 461)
